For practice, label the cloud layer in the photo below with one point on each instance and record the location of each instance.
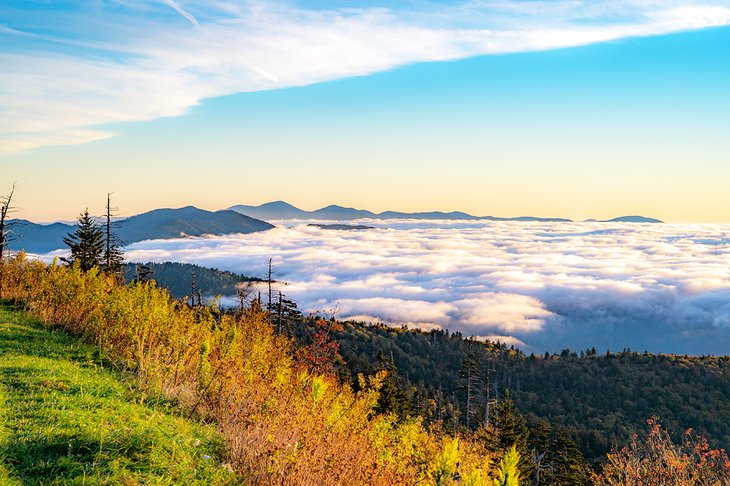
(547, 285)
(68, 71)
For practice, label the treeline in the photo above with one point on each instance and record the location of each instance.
(600, 398)
(180, 278)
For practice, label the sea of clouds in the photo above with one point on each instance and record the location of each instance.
(540, 286)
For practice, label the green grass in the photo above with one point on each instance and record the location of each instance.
(66, 418)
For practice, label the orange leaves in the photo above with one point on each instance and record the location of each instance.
(323, 352)
(658, 461)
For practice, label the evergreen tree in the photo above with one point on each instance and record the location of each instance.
(508, 428)
(393, 393)
(556, 457)
(113, 258)
(143, 273)
(86, 244)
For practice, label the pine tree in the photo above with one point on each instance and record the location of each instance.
(113, 258)
(86, 244)
(507, 428)
(556, 457)
(393, 393)
(143, 273)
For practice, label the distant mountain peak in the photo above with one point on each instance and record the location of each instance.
(278, 204)
(634, 219)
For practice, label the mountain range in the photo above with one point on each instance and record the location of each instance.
(278, 210)
(156, 224)
(191, 221)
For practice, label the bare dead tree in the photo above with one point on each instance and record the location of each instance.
(193, 288)
(6, 231)
(278, 314)
(243, 292)
(487, 372)
(469, 375)
(113, 255)
(268, 281)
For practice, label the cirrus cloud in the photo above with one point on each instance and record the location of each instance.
(78, 66)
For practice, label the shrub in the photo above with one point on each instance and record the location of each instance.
(283, 423)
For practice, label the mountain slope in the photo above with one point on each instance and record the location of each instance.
(175, 277)
(603, 397)
(187, 221)
(66, 419)
(38, 238)
(156, 224)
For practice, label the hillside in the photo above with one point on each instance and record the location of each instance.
(67, 418)
(176, 278)
(187, 221)
(603, 398)
(156, 224)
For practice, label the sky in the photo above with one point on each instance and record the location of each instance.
(495, 107)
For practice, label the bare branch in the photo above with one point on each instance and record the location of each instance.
(6, 232)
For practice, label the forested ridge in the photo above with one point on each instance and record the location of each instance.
(602, 398)
(177, 278)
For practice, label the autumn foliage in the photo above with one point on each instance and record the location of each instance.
(284, 420)
(285, 417)
(657, 461)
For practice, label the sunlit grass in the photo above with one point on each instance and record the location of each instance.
(66, 418)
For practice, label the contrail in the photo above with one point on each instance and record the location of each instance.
(182, 11)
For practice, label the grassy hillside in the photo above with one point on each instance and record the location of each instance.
(66, 418)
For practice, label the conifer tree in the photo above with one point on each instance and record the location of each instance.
(143, 273)
(86, 243)
(556, 457)
(393, 394)
(113, 258)
(507, 428)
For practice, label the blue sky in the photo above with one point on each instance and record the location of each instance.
(563, 108)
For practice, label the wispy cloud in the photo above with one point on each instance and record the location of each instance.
(657, 287)
(175, 5)
(134, 60)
